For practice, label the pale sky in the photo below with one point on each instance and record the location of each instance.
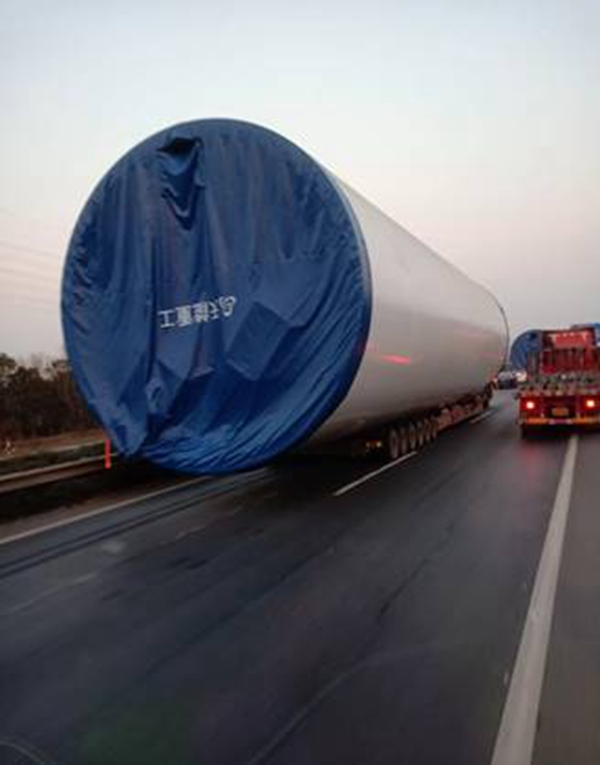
(474, 124)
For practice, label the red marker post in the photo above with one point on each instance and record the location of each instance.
(107, 454)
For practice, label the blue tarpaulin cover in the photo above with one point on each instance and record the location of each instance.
(523, 346)
(216, 297)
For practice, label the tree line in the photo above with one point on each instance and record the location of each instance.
(39, 398)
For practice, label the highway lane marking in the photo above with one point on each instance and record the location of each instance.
(24, 604)
(100, 511)
(85, 578)
(26, 750)
(516, 735)
(176, 503)
(368, 476)
(482, 416)
(202, 526)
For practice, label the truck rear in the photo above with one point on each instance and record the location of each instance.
(563, 381)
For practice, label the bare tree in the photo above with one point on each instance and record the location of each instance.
(39, 398)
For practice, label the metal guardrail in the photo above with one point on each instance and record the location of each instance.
(50, 474)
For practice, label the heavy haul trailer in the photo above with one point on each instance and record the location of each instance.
(226, 299)
(563, 381)
(406, 433)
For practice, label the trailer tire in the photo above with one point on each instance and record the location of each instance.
(357, 449)
(392, 444)
(412, 437)
(427, 429)
(404, 449)
(434, 428)
(420, 434)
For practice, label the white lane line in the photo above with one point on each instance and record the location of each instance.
(48, 593)
(368, 476)
(482, 416)
(25, 750)
(100, 511)
(201, 526)
(516, 735)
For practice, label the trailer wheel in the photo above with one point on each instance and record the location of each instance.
(392, 444)
(357, 449)
(420, 434)
(404, 449)
(427, 431)
(412, 437)
(435, 428)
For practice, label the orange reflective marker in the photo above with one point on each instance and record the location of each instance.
(107, 454)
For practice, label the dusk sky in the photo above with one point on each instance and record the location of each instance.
(474, 125)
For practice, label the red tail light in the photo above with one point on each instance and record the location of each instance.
(529, 405)
(591, 403)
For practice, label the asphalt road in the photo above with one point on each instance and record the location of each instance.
(263, 619)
